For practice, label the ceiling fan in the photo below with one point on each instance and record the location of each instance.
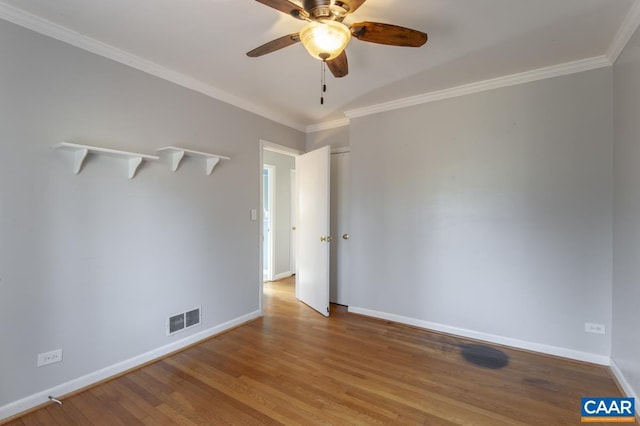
(325, 35)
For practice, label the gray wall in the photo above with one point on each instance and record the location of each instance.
(338, 137)
(94, 263)
(626, 229)
(283, 164)
(491, 212)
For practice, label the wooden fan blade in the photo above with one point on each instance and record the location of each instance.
(285, 6)
(393, 35)
(274, 45)
(339, 66)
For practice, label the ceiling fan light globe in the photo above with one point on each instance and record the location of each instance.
(325, 40)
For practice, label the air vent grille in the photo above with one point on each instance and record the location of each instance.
(176, 323)
(182, 321)
(193, 317)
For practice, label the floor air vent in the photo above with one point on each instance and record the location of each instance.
(183, 321)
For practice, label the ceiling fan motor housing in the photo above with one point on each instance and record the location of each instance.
(318, 8)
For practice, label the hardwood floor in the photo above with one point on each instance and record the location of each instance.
(296, 367)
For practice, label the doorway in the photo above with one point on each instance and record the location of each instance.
(304, 193)
(276, 219)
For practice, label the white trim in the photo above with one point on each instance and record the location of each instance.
(42, 397)
(341, 150)
(269, 239)
(629, 26)
(328, 125)
(260, 218)
(481, 86)
(282, 275)
(293, 218)
(626, 387)
(280, 149)
(492, 338)
(58, 32)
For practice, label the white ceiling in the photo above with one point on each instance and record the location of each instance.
(202, 44)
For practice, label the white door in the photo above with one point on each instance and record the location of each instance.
(312, 280)
(339, 228)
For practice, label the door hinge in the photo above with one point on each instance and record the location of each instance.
(327, 309)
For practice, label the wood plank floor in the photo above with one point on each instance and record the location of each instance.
(296, 367)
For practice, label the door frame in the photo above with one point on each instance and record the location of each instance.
(270, 241)
(340, 248)
(281, 149)
(293, 223)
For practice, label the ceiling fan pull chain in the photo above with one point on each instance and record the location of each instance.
(324, 76)
(323, 85)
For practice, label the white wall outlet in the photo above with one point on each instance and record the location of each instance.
(590, 327)
(47, 358)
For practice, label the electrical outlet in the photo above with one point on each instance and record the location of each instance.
(590, 327)
(47, 358)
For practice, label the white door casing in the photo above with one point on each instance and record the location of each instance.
(269, 217)
(293, 205)
(340, 228)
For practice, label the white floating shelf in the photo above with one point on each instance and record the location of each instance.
(178, 153)
(80, 152)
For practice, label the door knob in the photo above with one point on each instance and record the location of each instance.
(327, 239)
(345, 236)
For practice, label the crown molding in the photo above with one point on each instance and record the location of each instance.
(326, 125)
(58, 32)
(629, 26)
(481, 86)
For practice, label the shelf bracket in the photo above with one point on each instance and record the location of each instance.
(176, 158)
(211, 163)
(176, 154)
(78, 159)
(80, 153)
(134, 162)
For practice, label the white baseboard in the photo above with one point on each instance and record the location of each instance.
(492, 338)
(39, 398)
(626, 387)
(282, 275)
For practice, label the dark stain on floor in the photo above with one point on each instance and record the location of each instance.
(484, 356)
